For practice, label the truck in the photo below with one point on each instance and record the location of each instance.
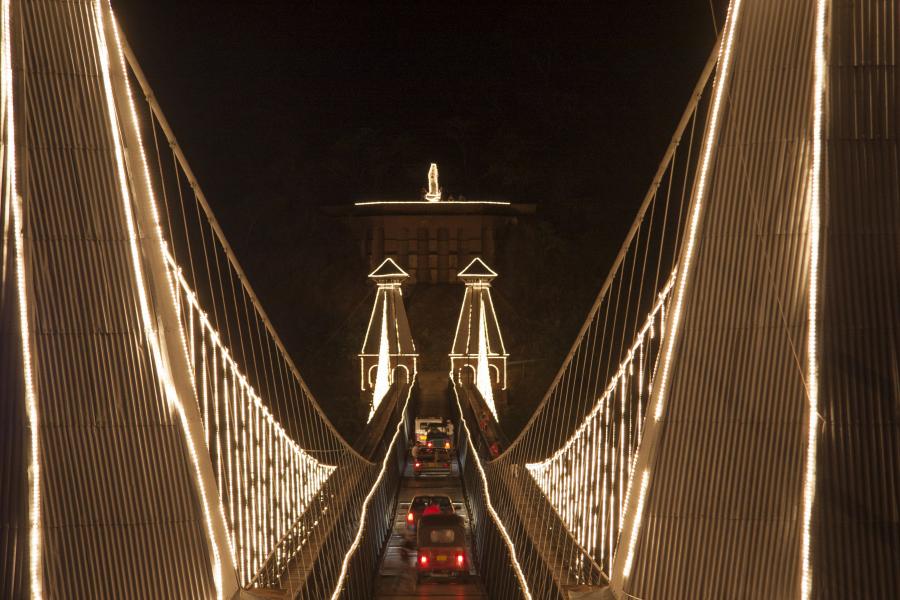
(426, 424)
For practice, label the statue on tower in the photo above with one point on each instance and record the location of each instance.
(434, 191)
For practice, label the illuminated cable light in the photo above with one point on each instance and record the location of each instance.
(724, 61)
(231, 364)
(617, 377)
(632, 541)
(35, 547)
(809, 486)
(709, 142)
(389, 455)
(517, 568)
(162, 367)
(383, 371)
(245, 390)
(563, 476)
(482, 371)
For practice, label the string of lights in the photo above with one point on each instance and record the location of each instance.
(13, 200)
(583, 489)
(383, 371)
(812, 351)
(659, 395)
(273, 452)
(396, 447)
(472, 455)
(581, 446)
(249, 442)
(482, 369)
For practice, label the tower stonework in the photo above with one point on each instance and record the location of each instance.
(388, 353)
(478, 354)
(431, 238)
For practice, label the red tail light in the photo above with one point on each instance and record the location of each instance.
(423, 560)
(418, 464)
(410, 517)
(430, 445)
(460, 559)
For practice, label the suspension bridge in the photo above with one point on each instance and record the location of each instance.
(724, 426)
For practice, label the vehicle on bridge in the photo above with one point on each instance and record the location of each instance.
(437, 438)
(424, 425)
(431, 461)
(425, 506)
(442, 546)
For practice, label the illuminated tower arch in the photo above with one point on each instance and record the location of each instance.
(478, 353)
(388, 350)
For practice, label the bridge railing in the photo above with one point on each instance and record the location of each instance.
(573, 460)
(498, 556)
(333, 550)
(374, 520)
(282, 470)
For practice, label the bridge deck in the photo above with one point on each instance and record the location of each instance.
(396, 578)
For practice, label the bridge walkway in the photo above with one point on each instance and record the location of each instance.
(396, 578)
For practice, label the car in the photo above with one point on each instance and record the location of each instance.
(426, 424)
(441, 541)
(424, 505)
(437, 438)
(432, 461)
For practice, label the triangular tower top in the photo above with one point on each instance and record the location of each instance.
(477, 270)
(388, 271)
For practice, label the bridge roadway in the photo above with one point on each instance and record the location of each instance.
(396, 577)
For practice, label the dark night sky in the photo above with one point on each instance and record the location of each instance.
(282, 107)
(592, 89)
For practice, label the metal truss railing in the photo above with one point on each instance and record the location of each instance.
(498, 555)
(564, 482)
(296, 499)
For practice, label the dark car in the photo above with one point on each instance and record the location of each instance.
(426, 505)
(442, 546)
(438, 439)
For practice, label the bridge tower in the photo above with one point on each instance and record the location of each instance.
(478, 354)
(388, 349)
